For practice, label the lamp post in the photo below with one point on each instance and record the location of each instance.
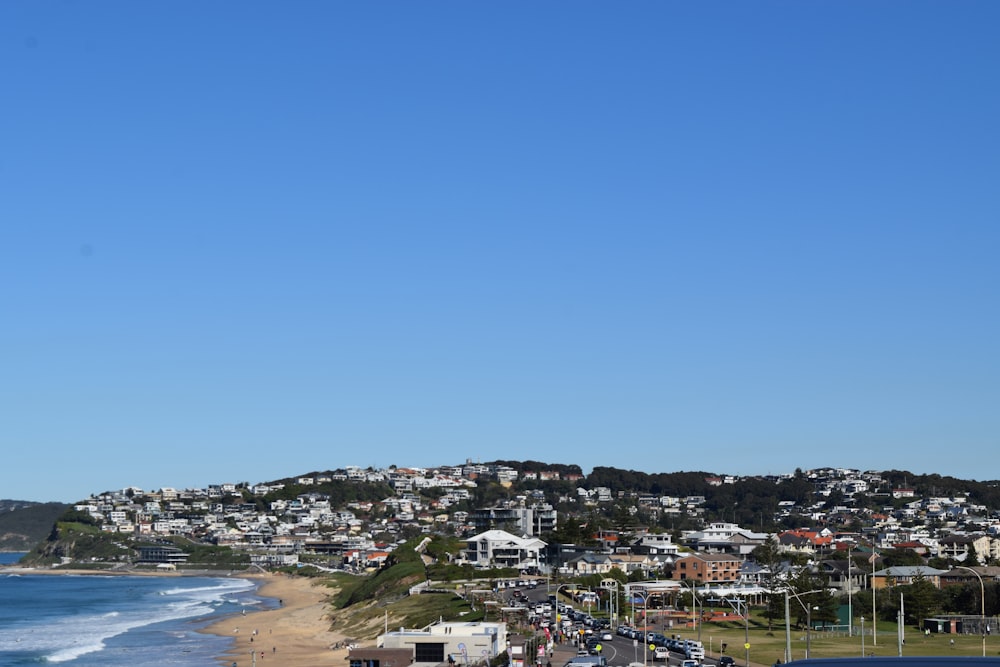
(862, 636)
(809, 626)
(850, 606)
(788, 623)
(694, 603)
(611, 585)
(556, 629)
(874, 610)
(645, 617)
(982, 603)
(743, 609)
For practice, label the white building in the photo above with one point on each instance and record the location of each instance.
(498, 548)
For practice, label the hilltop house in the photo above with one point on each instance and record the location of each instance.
(498, 548)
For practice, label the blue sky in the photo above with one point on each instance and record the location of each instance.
(243, 240)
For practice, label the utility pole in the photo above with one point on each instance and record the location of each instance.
(743, 609)
(874, 610)
(850, 607)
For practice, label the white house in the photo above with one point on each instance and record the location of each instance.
(498, 548)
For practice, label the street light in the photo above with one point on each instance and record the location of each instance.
(743, 608)
(850, 606)
(556, 629)
(694, 603)
(645, 617)
(874, 596)
(788, 624)
(611, 585)
(982, 603)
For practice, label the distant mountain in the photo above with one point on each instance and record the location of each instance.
(23, 524)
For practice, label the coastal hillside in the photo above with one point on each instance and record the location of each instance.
(24, 524)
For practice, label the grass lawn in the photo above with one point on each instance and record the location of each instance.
(769, 647)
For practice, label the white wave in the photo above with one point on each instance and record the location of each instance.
(69, 637)
(227, 586)
(75, 651)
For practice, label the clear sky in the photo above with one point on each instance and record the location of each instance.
(247, 240)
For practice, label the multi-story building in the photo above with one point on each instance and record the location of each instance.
(707, 568)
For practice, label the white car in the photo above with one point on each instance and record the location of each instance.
(690, 663)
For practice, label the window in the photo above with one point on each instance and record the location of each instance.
(428, 653)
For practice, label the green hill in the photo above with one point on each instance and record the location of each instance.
(24, 524)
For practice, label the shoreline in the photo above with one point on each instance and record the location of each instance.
(20, 569)
(297, 631)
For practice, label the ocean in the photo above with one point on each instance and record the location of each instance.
(112, 621)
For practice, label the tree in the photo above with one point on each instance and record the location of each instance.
(901, 558)
(768, 557)
(920, 600)
(811, 592)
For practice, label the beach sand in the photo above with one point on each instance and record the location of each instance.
(296, 634)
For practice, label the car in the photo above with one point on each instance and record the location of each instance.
(661, 653)
(690, 663)
(607, 636)
(727, 661)
(694, 653)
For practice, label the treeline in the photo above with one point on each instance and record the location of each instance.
(339, 492)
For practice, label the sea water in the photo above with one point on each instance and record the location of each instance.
(111, 621)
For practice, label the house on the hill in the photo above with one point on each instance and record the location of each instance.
(498, 548)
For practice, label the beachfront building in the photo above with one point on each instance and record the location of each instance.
(456, 643)
(161, 554)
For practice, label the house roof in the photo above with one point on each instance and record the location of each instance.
(712, 557)
(591, 557)
(910, 571)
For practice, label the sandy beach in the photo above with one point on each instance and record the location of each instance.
(296, 634)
